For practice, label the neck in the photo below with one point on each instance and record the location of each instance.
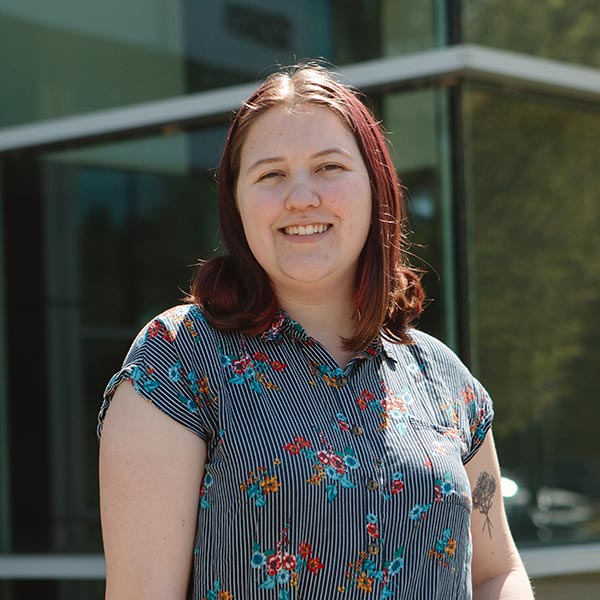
(327, 320)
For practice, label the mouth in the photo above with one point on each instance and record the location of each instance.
(306, 229)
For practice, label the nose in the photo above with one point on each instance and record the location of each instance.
(302, 195)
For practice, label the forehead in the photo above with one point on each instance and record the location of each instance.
(307, 127)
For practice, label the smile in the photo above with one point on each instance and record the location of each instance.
(305, 229)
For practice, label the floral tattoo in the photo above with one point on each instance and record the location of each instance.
(483, 495)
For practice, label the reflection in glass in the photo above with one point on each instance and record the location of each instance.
(101, 239)
(416, 122)
(533, 186)
(65, 58)
(564, 30)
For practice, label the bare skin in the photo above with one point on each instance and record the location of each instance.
(497, 571)
(150, 473)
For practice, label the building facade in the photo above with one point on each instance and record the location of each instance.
(112, 119)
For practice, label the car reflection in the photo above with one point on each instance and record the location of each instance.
(547, 514)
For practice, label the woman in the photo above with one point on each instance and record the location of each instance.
(309, 443)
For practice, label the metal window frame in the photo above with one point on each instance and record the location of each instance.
(443, 66)
(440, 67)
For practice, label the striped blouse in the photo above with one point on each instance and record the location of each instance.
(320, 482)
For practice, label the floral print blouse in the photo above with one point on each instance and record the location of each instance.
(320, 482)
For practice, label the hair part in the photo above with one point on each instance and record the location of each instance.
(235, 292)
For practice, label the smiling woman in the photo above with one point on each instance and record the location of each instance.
(308, 115)
(306, 212)
(309, 441)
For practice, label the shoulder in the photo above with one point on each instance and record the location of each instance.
(432, 350)
(179, 324)
(436, 362)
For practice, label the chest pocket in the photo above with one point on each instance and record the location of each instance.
(427, 459)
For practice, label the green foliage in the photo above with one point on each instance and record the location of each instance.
(560, 29)
(534, 189)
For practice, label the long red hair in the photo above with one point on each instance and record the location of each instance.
(235, 292)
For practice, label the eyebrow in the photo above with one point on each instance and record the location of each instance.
(278, 159)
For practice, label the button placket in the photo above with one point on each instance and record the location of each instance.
(357, 431)
(372, 484)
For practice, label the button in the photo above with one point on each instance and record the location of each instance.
(357, 430)
(372, 485)
(378, 462)
(373, 549)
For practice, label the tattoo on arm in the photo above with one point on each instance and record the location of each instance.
(483, 496)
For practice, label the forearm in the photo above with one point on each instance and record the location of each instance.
(513, 585)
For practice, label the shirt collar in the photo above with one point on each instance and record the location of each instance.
(283, 324)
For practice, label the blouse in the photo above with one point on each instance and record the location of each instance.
(320, 482)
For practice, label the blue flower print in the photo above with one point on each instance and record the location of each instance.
(419, 512)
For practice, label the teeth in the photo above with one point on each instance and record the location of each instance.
(305, 230)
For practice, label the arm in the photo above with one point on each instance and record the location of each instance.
(498, 573)
(151, 469)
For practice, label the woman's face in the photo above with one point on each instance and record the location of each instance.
(304, 197)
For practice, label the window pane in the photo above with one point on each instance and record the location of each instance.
(533, 185)
(98, 241)
(66, 57)
(416, 122)
(562, 29)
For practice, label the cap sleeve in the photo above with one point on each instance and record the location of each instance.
(479, 415)
(164, 365)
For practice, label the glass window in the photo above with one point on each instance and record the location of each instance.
(562, 29)
(64, 58)
(98, 241)
(418, 133)
(533, 185)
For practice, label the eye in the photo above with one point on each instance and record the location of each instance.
(330, 167)
(270, 175)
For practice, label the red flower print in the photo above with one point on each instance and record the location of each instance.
(365, 397)
(398, 404)
(397, 486)
(314, 565)
(292, 448)
(343, 425)
(302, 443)
(289, 562)
(324, 457)
(277, 366)
(337, 463)
(238, 366)
(153, 329)
(260, 356)
(373, 530)
(468, 395)
(304, 549)
(273, 564)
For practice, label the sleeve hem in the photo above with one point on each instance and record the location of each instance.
(181, 414)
